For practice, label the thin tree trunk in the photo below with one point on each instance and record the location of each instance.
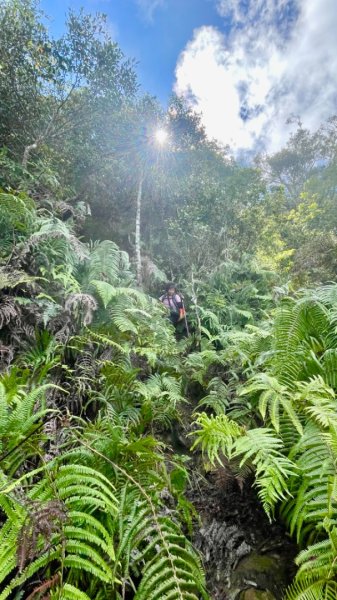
(137, 237)
(195, 302)
(26, 154)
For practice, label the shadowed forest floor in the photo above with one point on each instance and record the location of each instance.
(243, 552)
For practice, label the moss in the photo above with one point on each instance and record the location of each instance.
(267, 572)
(258, 563)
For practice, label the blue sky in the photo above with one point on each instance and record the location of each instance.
(152, 32)
(248, 66)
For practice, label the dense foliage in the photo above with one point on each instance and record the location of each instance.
(93, 503)
(281, 422)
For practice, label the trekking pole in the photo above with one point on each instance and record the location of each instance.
(185, 318)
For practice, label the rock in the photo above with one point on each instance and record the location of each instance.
(267, 572)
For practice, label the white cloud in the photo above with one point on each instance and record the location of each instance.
(243, 12)
(279, 60)
(148, 8)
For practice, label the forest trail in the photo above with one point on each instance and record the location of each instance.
(245, 556)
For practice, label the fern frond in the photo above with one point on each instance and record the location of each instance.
(104, 340)
(168, 565)
(308, 589)
(273, 469)
(216, 434)
(274, 398)
(84, 543)
(198, 363)
(69, 592)
(329, 364)
(120, 318)
(10, 279)
(316, 466)
(319, 401)
(17, 212)
(107, 263)
(217, 397)
(295, 323)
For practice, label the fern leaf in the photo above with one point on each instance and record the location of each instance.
(69, 592)
(216, 434)
(312, 590)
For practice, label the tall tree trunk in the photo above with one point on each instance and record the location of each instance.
(137, 237)
(195, 302)
(26, 154)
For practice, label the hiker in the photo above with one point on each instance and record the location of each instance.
(174, 303)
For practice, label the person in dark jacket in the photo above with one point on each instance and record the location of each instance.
(174, 303)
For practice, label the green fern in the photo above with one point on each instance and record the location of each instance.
(17, 212)
(197, 364)
(258, 447)
(11, 278)
(153, 547)
(68, 592)
(316, 465)
(18, 418)
(318, 401)
(272, 469)
(149, 544)
(329, 366)
(309, 589)
(108, 263)
(161, 397)
(83, 543)
(216, 435)
(274, 399)
(316, 576)
(295, 324)
(217, 398)
(108, 292)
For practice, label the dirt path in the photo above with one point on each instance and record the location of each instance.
(245, 556)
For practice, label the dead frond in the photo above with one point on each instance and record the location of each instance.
(9, 310)
(43, 521)
(81, 306)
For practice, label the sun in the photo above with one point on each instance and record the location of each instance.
(161, 136)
